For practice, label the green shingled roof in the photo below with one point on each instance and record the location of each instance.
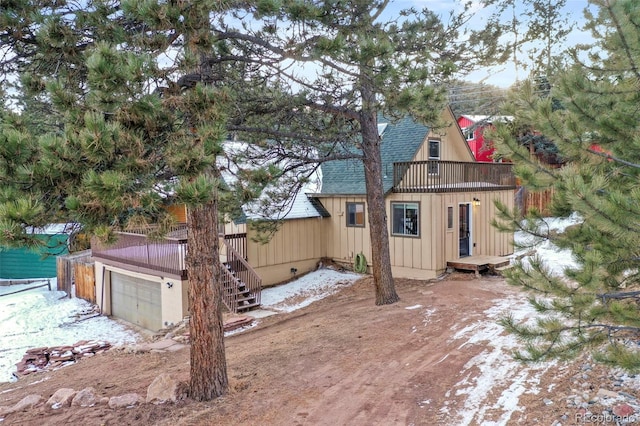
(400, 142)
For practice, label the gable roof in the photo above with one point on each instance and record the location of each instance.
(400, 142)
(299, 206)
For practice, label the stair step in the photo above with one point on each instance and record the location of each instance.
(504, 268)
(501, 269)
(245, 297)
(235, 291)
(248, 307)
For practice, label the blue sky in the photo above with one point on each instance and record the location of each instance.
(505, 75)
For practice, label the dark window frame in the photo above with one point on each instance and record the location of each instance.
(410, 226)
(434, 168)
(450, 218)
(355, 214)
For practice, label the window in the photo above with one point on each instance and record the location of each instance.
(450, 218)
(469, 134)
(434, 154)
(355, 214)
(404, 219)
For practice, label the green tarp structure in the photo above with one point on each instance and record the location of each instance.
(22, 263)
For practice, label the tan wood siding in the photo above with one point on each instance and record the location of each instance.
(298, 244)
(486, 240)
(427, 255)
(232, 228)
(453, 145)
(417, 252)
(344, 243)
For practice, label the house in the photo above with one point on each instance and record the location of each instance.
(439, 202)
(145, 282)
(473, 127)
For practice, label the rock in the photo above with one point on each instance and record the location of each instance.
(623, 410)
(104, 400)
(47, 358)
(547, 401)
(126, 400)
(37, 350)
(164, 388)
(25, 403)
(604, 393)
(626, 395)
(182, 339)
(85, 398)
(61, 398)
(237, 322)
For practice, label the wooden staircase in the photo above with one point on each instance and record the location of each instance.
(236, 294)
(241, 285)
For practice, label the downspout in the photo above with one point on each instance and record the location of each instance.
(102, 292)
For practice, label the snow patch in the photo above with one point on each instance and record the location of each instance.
(39, 317)
(494, 368)
(307, 289)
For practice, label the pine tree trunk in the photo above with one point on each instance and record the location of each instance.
(208, 363)
(381, 259)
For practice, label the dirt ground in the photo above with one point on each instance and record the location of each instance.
(339, 361)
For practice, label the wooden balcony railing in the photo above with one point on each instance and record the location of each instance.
(238, 242)
(451, 176)
(135, 248)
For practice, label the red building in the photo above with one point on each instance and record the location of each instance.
(473, 127)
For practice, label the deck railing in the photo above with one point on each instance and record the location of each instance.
(238, 242)
(167, 255)
(137, 249)
(240, 270)
(451, 176)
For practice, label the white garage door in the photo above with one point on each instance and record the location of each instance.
(136, 300)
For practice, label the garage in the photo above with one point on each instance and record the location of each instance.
(136, 300)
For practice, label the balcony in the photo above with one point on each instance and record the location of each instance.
(134, 250)
(451, 176)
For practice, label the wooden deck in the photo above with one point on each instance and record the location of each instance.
(479, 264)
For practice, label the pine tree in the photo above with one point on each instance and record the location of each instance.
(475, 98)
(596, 129)
(136, 134)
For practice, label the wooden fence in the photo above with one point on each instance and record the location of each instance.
(85, 280)
(77, 269)
(541, 201)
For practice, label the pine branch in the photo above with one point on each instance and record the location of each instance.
(613, 158)
(618, 296)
